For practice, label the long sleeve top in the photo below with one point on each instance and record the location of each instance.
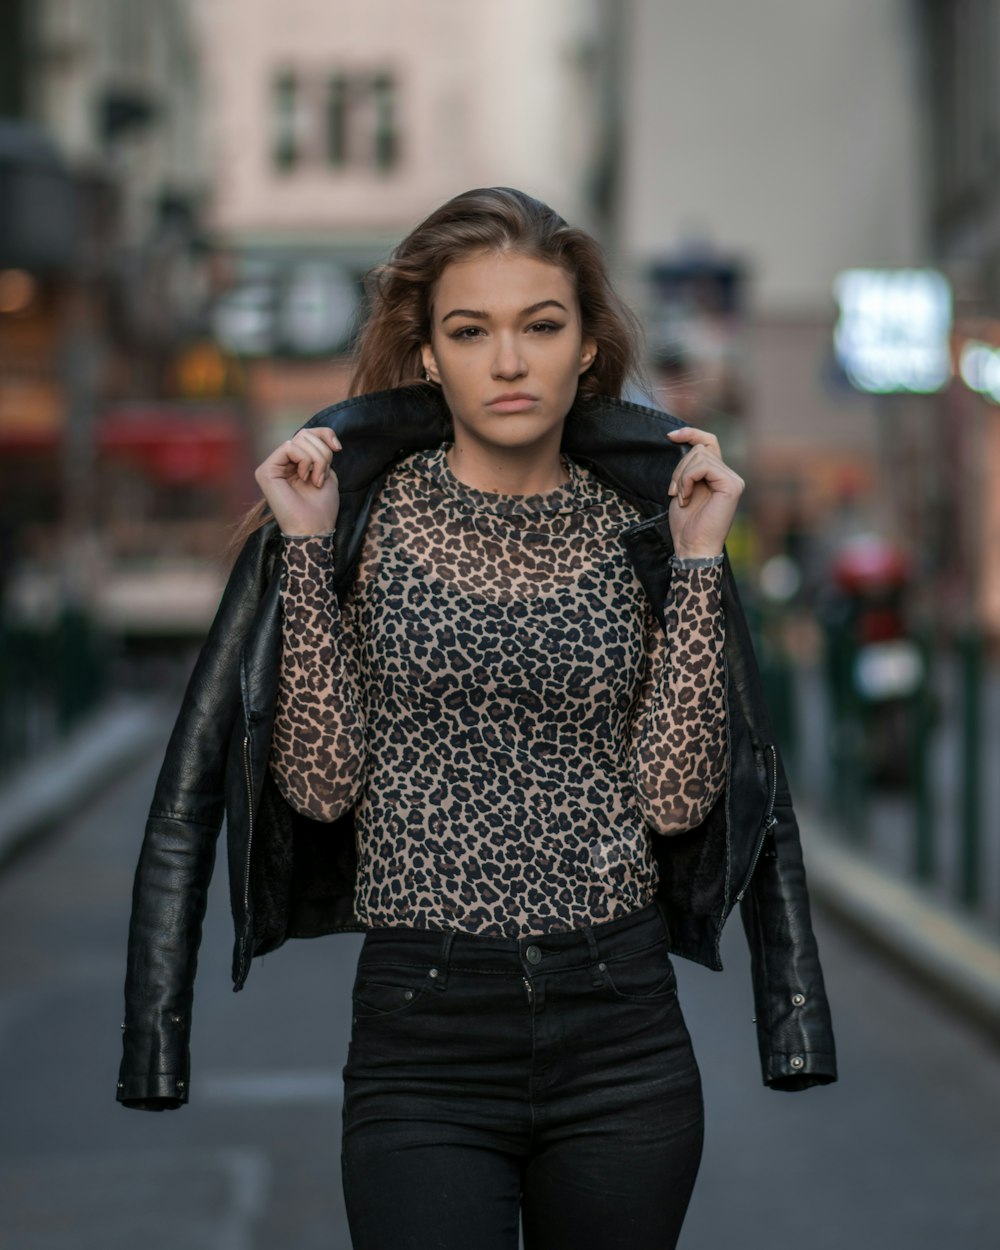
(497, 701)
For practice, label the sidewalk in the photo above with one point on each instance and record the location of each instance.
(952, 956)
(52, 786)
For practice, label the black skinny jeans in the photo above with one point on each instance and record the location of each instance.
(548, 1075)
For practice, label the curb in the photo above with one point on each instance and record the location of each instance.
(50, 788)
(952, 956)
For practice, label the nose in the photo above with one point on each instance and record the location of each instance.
(508, 362)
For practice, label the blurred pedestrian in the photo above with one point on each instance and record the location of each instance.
(480, 686)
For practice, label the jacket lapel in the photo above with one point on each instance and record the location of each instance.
(625, 445)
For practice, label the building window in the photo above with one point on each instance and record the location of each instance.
(353, 116)
(385, 136)
(338, 104)
(286, 149)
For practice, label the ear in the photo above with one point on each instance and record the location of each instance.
(588, 353)
(430, 364)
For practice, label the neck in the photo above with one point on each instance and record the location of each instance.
(507, 470)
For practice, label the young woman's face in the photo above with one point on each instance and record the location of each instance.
(507, 347)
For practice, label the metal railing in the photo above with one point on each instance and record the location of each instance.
(50, 678)
(908, 780)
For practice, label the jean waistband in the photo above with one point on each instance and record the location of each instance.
(535, 954)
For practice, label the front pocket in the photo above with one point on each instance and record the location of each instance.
(384, 995)
(645, 976)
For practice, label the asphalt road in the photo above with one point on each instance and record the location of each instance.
(903, 1152)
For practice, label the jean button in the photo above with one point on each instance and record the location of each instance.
(533, 955)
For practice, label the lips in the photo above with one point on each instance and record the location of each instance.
(512, 401)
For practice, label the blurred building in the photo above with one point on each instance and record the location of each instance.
(962, 112)
(335, 127)
(767, 149)
(103, 172)
(103, 287)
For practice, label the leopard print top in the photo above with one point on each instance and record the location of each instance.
(498, 703)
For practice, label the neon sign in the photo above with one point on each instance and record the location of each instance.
(893, 330)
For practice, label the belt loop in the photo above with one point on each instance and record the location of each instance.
(597, 973)
(441, 978)
(596, 969)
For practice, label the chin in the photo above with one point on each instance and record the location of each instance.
(512, 428)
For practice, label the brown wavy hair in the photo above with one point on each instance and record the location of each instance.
(399, 296)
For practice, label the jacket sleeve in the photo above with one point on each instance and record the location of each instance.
(678, 741)
(178, 851)
(794, 1028)
(794, 1032)
(318, 746)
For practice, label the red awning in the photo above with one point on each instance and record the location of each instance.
(173, 447)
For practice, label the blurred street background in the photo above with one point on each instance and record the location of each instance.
(802, 201)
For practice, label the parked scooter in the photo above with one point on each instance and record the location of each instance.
(873, 649)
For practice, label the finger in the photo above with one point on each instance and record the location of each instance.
(325, 434)
(294, 459)
(309, 438)
(702, 466)
(330, 439)
(320, 451)
(683, 471)
(690, 434)
(291, 459)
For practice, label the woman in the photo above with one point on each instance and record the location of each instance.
(482, 688)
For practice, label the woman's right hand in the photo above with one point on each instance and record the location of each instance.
(299, 483)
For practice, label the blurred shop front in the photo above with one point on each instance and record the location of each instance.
(972, 427)
(42, 210)
(124, 451)
(289, 314)
(115, 413)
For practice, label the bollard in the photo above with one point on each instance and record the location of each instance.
(971, 668)
(920, 779)
(80, 668)
(848, 775)
(777, 681)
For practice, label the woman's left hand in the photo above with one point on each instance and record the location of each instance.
(705, 493)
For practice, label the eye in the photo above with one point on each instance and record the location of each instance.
(466, 333)
(544, 327)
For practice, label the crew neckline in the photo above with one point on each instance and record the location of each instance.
(567, 497)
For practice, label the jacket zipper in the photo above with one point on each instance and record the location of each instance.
(246, 877)
(769, 822)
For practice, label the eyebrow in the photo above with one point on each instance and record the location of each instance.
(477, 315)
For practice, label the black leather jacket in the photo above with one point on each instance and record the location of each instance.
(293, 877)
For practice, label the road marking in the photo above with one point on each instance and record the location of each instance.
(250, 1176)
(273, 1088)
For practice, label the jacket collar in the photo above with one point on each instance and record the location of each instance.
(624, 444)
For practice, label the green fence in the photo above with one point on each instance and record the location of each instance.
(50, 678)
